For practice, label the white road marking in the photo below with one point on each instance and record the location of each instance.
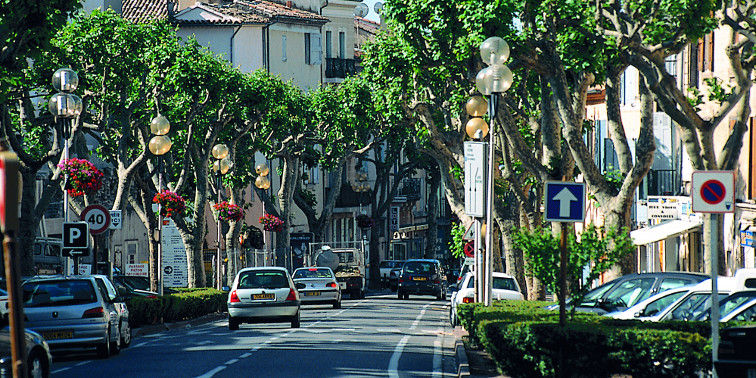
(60, 370)
(232, 361)
(245, 355)
(437, 355)
(394, 362)
(82, 363)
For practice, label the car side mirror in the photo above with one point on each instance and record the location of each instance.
(300, 285)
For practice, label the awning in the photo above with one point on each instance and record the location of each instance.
(666, 230)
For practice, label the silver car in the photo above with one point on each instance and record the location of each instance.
(317, 285)
(38, 358)
(263, 295)
(74, 312)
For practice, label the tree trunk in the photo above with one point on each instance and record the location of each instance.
(513, 257)
(375, 257)
(718, 248)
(289, 180)
(433, 210)
(232, 250)
(28, 223)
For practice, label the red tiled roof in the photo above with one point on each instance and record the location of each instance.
(275, 10)
(366, 25)
(144, 10)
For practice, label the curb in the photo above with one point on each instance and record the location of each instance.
(157, 328)
(463, 367)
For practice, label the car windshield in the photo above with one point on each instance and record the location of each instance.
(630, 292)
(419, 267)
(504, 283)
(58, 293)
(727, 305)
(592, 296)
(312, 273)
(263, 279)
(662, 303)
(137, 283)
(692, 307)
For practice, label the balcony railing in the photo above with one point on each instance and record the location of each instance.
(661, 182)
(339, 68)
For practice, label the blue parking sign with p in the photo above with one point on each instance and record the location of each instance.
(565, 201)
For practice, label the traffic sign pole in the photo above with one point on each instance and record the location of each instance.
(562, 274)
(713, 252)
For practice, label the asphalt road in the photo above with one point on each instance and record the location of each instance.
(378, 336)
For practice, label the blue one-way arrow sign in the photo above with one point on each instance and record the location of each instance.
(565, 201)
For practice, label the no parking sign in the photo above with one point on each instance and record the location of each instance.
(713, 191)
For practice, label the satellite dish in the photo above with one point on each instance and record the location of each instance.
(326, 257)
(361, 10)
(377, 7)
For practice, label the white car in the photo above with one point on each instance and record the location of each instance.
(694, 302)
(744, 313)
(504, 287)
(317, 285)
(265, 294)
(653, 305)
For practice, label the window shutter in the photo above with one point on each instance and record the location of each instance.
(710, 52)
(308, 50)
(283, 48)
(700, 55)
(316, 49)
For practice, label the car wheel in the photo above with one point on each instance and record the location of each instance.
(295, 321)
(37, 364)
(233, 324)
(125, 334)
(337, 304)
(103, 350)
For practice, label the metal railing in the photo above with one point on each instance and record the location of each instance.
(339, 68)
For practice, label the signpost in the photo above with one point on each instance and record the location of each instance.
(475, 179)
(713, 192)
(565, 202)
(115, 219)
(97, 217)
(747, 238)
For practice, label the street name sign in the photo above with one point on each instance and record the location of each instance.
(713, 191)
(115, 220)
(97, 217)
(565, 201)
(475, 178)
(747, 238)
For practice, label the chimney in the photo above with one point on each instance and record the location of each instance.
(289, 3)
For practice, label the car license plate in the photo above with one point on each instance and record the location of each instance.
(263, 296)
(311, 293)
(57, 335)
(419, 279)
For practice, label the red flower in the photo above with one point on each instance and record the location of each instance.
(271, 223)
(170, 203)
(229, 212)
(82, 177)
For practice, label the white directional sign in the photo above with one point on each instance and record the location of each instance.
(475, 178)
(565, 201)
(713, 191)
(115, 219)
(97, 217)
(175, 265)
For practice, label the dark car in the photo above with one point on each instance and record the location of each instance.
(628, 290)
(736, 357)
(422, 277)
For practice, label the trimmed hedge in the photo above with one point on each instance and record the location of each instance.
(187, 304)
(525, 340)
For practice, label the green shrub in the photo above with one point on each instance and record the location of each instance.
(660, 353)
(184, 305)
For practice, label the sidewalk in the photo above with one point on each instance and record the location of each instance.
(471, 362)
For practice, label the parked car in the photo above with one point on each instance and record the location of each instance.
(385, 268)
(264, 294)
(736, 357)
(695, 301)
(76, 312)
(628, 290)
(394, 275)
(734, 307)
(38, 358)
(119, 303)
(421, 277)
(320, 286)
(653, 305)
(504, 287)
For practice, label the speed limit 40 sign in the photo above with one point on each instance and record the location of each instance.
(97, 217)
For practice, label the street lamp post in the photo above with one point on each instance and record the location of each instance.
(221, 166)
(159, 145)
(263, 183)
(65, 106)
(492, 81)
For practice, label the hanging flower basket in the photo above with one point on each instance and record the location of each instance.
(271, 223)
(81, 177)
(170, 203)
(364, 221)
(229, 212)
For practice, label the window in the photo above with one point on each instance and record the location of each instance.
(329, 45)
(58, 293)
(660, 304)
(748, 315)
(264, 279)
(342, 45)
(504, 283)
(673, 283)
(283, 48)
(706, 53)
(630, 292)
(307, 42)
(313, 273)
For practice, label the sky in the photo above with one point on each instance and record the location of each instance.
(372, 16)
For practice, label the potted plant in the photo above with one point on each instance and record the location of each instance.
(271, 223)
(170, 203)
(229, 212)
(82, 177)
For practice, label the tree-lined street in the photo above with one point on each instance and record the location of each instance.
(377, 336)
